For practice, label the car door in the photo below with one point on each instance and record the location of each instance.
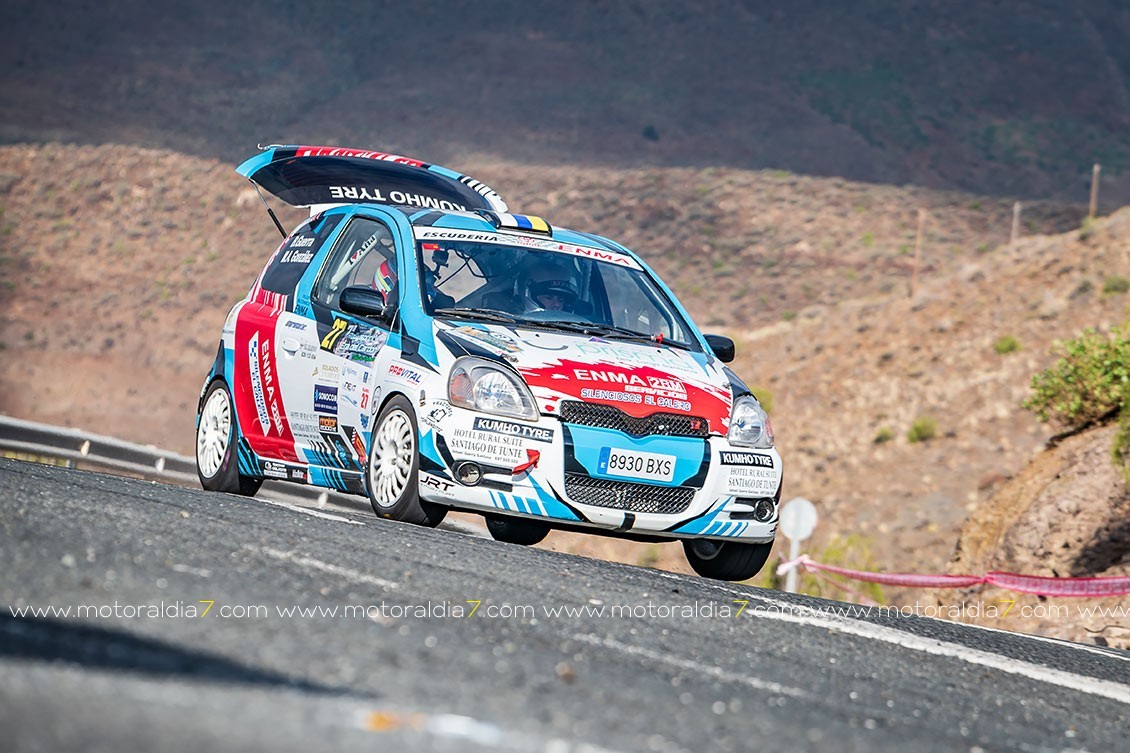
(343, 386)
(271, 338)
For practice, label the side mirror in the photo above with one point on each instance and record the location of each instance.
(363, 301)
(722, 346)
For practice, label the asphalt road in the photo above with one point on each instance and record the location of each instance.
(537, 667)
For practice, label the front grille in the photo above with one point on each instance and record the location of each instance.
(611, 417)
(625, 495)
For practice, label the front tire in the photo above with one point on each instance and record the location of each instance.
(516, 530)
(393, 475)
(216, 463)
(726, 560)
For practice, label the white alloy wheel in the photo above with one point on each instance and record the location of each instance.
(214, 433)
(390, 462)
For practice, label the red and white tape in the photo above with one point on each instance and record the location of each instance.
(1029, 584)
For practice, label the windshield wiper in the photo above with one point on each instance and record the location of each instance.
(473, 313)
(610, 331)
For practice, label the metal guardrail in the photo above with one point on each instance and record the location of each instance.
(29, 440)
(81, 449)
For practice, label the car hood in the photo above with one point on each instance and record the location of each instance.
(318, 175)
(638, 378)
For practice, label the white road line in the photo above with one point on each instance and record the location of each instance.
(326, 567)
(804, 615)
(311, 512)
(705, 669)
(1093, 686)
(1061, 642)
(192, 570)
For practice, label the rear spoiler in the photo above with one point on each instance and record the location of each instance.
(308, 176)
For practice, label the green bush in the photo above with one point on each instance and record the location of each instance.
(1006, 344)
(884, 435)
(923, 429)
(1090, 380)
(764, 396)
(1116, 284)
(1120, 449)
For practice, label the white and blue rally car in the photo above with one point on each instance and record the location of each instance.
(414, 341)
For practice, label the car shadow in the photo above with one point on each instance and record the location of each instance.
(53, 640)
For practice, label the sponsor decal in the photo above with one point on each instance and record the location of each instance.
(304, 429)
(263, 387)
(296, 474)
(494, 341)
(615, 354)
(271, 469)
(358, 442)
(335, 151)
(365, 421)
(308, 350)
(404, 374)
(298, 324)
(331, 338)
(638, 390)
(405, 198)
(525, 241)
(327, 423)
(360, 344)
(327, 373)
(749, 480)
(437, 415)
(523, 431)
(435, 482)
(502, 449)
(257, 384)
(658, 391)
(325, 399)
(349, 386)
(619, 397)
(746, 458)
(364, 398)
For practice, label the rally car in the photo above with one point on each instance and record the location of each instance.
(416, 342)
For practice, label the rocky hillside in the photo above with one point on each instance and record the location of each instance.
(1014, 97)
(1066, 514)
(119, 265)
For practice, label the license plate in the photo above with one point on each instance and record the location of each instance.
(638, 465)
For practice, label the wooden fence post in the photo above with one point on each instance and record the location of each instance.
(1095, 189)
(917, 251)
(1014, 235)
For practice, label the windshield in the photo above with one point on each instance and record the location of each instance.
(550, 289)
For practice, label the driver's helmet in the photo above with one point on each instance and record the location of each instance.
(385, 278)
(552, 286)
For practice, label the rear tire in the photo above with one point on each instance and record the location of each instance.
(726, 560)
(393, 475)
(516, 530)
(216, 437)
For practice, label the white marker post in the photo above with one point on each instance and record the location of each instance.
(798, 520)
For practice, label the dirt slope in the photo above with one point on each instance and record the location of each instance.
(1014, 97)
(119, 265)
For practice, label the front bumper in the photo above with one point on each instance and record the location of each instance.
(712, 491)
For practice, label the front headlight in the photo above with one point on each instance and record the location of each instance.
(749, 424)
(480, 385)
